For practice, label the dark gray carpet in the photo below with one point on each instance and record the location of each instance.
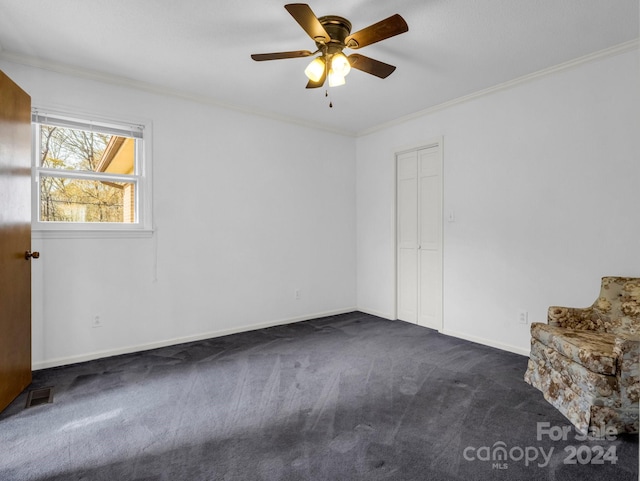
(350, 397)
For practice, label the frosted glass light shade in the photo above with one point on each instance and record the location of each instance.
(315, 69)
(336, 78)
(340, 64)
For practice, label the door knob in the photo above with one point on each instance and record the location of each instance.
(28, 254)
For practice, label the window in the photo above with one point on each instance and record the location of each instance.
(89, 174)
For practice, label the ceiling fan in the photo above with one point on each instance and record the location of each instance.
(332, 34)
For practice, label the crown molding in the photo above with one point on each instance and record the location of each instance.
(592, 57)
(159, 90)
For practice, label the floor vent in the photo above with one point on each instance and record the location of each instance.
(39, 396)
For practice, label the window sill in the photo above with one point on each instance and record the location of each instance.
(91, 234)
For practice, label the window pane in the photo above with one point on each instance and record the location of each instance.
(78, 200)
(71, 149)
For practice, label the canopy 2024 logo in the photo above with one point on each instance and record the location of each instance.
(500, 455)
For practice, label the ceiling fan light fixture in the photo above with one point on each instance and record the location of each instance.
(315, 70)
(332, 34)
(336, 78)
(340, 64)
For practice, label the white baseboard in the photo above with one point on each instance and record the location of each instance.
(373, 312)
(459, 335)
(486, 342)
(63, 361)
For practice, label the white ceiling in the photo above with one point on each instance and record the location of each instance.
(202, 48)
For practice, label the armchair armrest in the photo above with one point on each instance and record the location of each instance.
(585, 318)
(627, 350)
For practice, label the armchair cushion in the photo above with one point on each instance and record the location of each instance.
(591, 349)
(573, 376)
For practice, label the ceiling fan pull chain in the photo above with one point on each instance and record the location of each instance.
(326, 94)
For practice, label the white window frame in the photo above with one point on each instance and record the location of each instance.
(142, 129)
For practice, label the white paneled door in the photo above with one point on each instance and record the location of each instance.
(419, 236)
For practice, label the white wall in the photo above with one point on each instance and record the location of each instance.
(544, 182)
(247, 210)
(542, 177)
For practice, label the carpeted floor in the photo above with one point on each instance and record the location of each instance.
(350, 397)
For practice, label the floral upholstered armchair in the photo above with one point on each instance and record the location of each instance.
(586, 361)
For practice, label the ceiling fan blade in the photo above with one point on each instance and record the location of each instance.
(389, 27)
(259, 57)
(370, 65)
(303, 14)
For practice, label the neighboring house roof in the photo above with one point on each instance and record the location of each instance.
(118, 157)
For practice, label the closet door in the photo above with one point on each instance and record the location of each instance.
(419, 236)
(407, 236)
(430, 238)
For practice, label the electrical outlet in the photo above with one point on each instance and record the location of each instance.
(523, 317)
(97, 322)
(297, 294)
